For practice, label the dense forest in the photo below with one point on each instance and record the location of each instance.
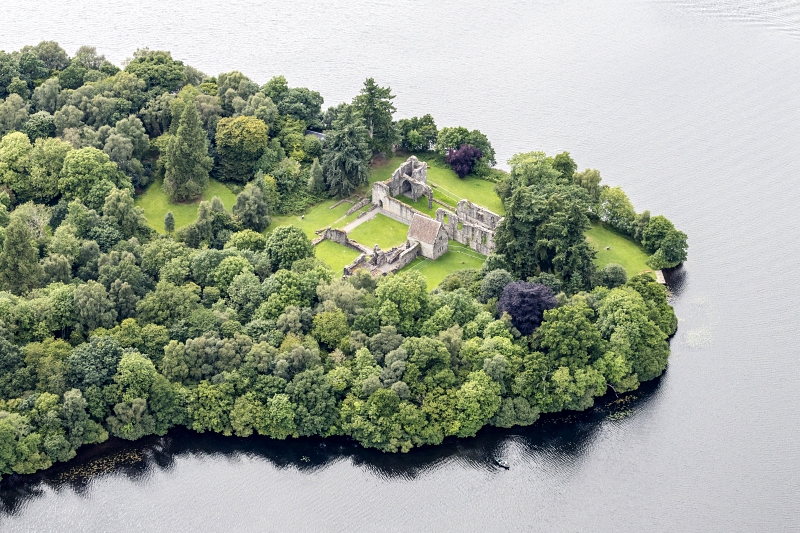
(108, 327)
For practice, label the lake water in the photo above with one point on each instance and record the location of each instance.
(692, 107)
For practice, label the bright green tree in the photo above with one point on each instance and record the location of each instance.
(19, 261)
(287, 244)
(87, 169)
(251, 208)
(240, 143)
(120, 210)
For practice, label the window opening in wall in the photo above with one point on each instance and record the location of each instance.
(483, 239)
(460, 225)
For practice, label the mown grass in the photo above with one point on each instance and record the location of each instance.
(446, 185)
(420, 205)
(622, 250)
(335, 255)
(381, 230)
(319, 216)
(458, 257)
(351, 217)
(156, 204)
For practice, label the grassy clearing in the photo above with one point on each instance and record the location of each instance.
(335, 255)
(156, 204)
(447, 186)
(319, 216)
(622, 250)
(458, 257)
(381, 230)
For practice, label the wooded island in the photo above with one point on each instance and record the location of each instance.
(204, 251)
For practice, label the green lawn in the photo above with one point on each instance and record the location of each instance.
(335, 255)
(447, 186)
(351, 217)
(156, 204)
(420, 205)
(458, 257)
(381, 230)
(319, 216)
(622, 250)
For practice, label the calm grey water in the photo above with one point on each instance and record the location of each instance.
(692, 107)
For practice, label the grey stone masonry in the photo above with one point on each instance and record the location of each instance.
(471, 224)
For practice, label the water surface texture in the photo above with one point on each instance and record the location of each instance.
(692, 107)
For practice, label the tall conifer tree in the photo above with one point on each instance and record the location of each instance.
(347, 155)
(187, 161)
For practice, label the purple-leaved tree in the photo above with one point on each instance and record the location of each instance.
(526, 303)
(463, 160)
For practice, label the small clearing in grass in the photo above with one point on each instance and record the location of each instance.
(622, 250)
(156, 204)
(381, 230)
(335, 255)
(458, 257)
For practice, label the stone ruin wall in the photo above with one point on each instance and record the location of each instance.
(340, 237)
(410, 179)
(361, 203)
(392, 207)
(411, 167)
(471, 225)
(381, 263)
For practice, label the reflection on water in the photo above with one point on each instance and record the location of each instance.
(784, 16)
(691, 107)
(565, 436)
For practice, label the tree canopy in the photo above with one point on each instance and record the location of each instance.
(229, 325)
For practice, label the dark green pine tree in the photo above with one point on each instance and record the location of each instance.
(19, 261)
(187, 162)
(316, 181)
(375, 104)
(169, 222)
(346, 159)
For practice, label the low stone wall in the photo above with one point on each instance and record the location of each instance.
(359, 262)
(363, 213)
(361, 203)
(340, 237)
(406, 256)
(381, 263)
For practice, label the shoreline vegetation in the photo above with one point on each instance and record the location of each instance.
(202, 302)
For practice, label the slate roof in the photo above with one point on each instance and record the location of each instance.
(423, 229)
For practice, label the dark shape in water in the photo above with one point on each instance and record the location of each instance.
(502, 463)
